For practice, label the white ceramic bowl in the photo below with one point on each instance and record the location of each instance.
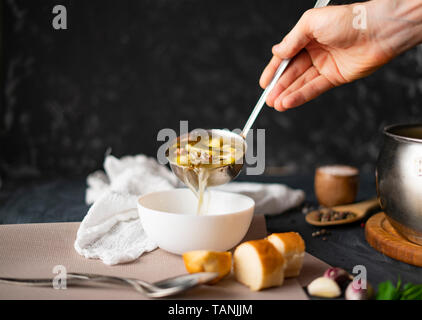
(169, 218)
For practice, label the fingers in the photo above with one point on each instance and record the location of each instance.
(302, 94)
(307, 76)
(295, 41)
(296, 68)
(269, 71)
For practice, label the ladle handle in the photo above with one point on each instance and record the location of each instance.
(283, 65)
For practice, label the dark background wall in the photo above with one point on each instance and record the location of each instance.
(126, 69)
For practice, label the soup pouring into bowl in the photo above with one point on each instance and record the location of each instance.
(322, 57)
(214, 157)
(203, 158)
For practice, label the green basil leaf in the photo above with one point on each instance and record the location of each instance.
(413, 293)
(410, 290)
(398, 284)
(415, 296)
(408, 286)
(386, 291)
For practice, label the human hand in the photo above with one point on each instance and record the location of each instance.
(330, 50)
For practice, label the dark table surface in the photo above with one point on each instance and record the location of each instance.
(63, 199)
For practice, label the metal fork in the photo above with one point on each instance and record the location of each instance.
(160, 289)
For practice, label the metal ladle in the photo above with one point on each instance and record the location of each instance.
(224, 174)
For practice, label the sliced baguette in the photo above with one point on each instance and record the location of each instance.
(292, 247)
(208, 261)
(258, 265)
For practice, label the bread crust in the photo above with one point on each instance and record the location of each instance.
(268, 270)
(208, 261)
(292, 247)
(293, 242)
(269, 256)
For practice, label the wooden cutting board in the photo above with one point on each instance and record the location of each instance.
(384, 238)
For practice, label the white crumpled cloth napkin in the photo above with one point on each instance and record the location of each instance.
(112, 231)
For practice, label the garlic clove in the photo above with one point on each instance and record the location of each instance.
(324, 287)
(339, 275)
(355, 292)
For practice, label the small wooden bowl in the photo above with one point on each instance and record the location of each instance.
(336, 185)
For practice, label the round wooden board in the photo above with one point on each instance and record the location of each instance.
(383, 237)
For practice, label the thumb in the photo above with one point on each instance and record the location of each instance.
(297, 38)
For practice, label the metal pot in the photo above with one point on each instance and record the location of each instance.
(399, 179)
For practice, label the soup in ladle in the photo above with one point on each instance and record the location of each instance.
(202, 157)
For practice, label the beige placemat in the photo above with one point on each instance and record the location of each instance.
(33, 250)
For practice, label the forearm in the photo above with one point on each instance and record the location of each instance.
(395, 24)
